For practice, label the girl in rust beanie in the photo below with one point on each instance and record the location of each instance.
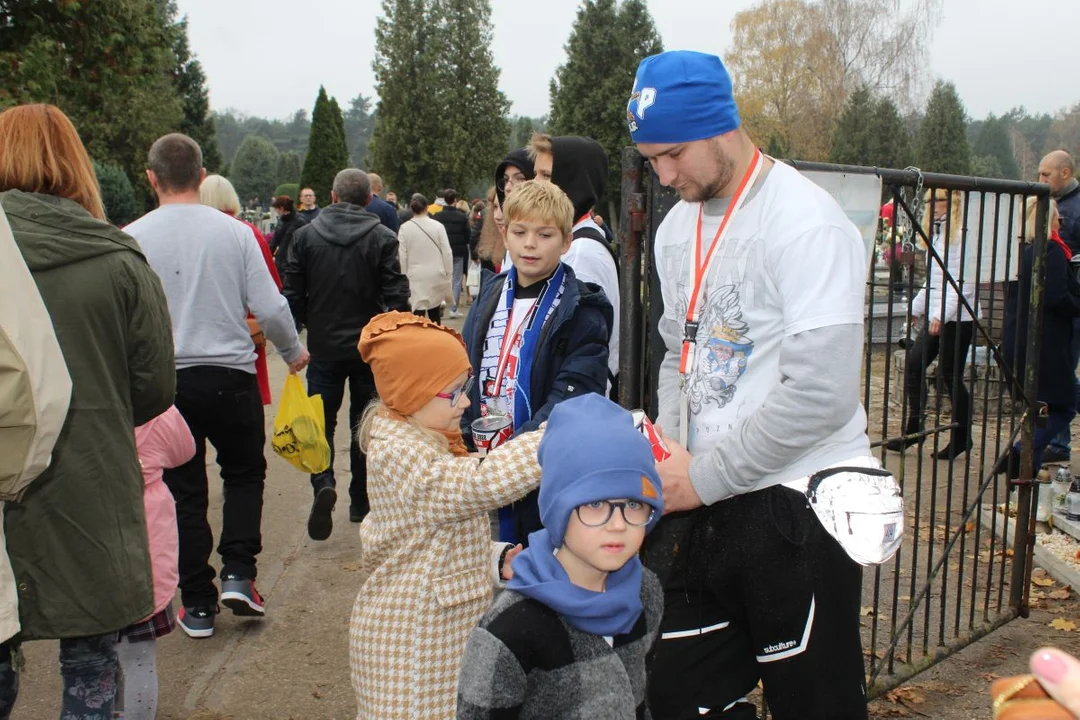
(428, 562)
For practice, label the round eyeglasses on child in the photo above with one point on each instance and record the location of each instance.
(599, 513)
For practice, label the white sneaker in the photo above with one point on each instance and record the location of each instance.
(455, 314)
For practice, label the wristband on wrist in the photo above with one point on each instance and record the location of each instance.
(502, 557)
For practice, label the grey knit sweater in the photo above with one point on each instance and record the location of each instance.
(525, 662)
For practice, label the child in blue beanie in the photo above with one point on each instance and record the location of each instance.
(568, 637)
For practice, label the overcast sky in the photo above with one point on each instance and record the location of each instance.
(269, 57)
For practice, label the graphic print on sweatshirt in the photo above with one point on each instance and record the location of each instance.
(723, 348)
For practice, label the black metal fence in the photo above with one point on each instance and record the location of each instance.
(964, 568)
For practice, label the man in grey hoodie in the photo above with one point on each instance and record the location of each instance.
(342, 270)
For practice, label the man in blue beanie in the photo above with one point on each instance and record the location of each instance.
(762, 277)
(568, 638)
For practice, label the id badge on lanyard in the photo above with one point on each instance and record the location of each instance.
(699, 270)
(494, 388)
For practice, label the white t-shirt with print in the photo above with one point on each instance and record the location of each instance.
(791, 262)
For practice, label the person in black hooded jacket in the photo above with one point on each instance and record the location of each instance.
(579, 166)
(343, 269)
(516, 168)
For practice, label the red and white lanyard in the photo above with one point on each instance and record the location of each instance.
(510, 338)
(698, 272)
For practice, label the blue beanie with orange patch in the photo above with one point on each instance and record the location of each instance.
(591, 451)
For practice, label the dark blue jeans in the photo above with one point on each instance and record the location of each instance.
(328, 378)
(88, 669)
(1062, 442)
(1057, 420)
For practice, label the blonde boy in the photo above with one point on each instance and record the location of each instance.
(536, 335)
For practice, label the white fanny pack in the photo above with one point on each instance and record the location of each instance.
(861, 507)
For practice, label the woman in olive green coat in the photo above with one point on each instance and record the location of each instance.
(77, 539)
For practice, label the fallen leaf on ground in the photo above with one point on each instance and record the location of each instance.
(909, 695)
(881, 709)
(943, 688)
(990, 677)
(1062, 594)
(866, 611)
(1063, 624)
(1043, 581)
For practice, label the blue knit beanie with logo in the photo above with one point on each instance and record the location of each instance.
(681, 96)
(591, 451)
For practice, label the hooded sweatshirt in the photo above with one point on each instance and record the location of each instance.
(580, 170)
(518, 158)
(342, 271)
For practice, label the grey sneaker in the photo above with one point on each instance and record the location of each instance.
(239, 595)
(197, 621)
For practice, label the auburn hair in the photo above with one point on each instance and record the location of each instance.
(492, 245)
(41, 152)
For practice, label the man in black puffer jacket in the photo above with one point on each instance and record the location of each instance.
(457, 230)
(343, 269)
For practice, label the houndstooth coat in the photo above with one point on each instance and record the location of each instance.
(426, 566)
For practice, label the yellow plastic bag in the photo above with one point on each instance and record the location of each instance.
(300, 428)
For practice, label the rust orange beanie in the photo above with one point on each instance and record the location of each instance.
(412, 359)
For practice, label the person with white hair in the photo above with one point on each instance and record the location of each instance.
(217, 192)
